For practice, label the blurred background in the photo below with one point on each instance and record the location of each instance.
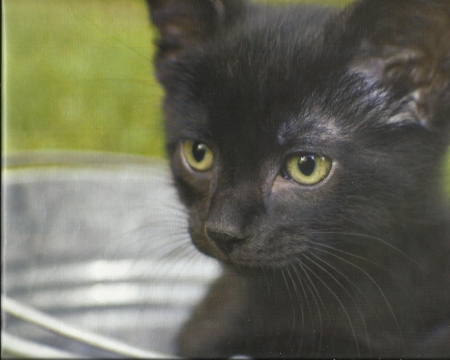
(78, 76)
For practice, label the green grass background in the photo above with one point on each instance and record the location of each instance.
(77, 75)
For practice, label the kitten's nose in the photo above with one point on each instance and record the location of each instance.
(224, 241)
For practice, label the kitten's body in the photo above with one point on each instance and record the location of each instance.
(357, 263)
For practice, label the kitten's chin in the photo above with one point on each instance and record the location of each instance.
(243, 264)
(256, 269)
(264, 263)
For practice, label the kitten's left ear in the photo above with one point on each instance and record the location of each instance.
(184, 23)
(405, 45)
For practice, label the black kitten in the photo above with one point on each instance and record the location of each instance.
(307, 145)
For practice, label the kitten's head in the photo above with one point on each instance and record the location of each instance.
(291, 128)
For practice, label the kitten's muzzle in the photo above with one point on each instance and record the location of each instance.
(224, 241)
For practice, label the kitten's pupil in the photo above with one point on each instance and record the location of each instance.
(198, 151)
(307, 164)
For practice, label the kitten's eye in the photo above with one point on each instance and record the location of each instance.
(308, 169)
(198, 155)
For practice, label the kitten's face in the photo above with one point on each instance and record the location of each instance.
(279, 145)
(260, 177)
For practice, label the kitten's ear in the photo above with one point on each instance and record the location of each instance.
(405, 45)
(182, 23)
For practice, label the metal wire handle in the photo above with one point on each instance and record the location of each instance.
(15, 346)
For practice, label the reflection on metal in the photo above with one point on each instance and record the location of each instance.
(16, 347)
(58, 327)
(104, 252)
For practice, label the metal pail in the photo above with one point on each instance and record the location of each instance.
(98, 244)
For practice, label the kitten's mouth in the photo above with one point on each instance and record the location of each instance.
(244, 261)
(238, 253)
(259, 263)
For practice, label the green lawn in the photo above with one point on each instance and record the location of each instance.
(78, 75)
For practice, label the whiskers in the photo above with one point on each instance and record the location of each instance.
(154, 240)
(346, 291)
(355, 238)
(362, 262)
(338, 285)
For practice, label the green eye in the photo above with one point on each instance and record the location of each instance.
(308, 169)
(198, 155)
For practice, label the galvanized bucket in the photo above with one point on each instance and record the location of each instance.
(96, 257)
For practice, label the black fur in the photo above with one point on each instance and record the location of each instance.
(358, 264)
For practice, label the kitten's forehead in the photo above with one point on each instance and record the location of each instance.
(269, 87)
(255, 83)
(308, 129)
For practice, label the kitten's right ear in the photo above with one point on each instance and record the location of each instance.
(183, 23)
(403, 45)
